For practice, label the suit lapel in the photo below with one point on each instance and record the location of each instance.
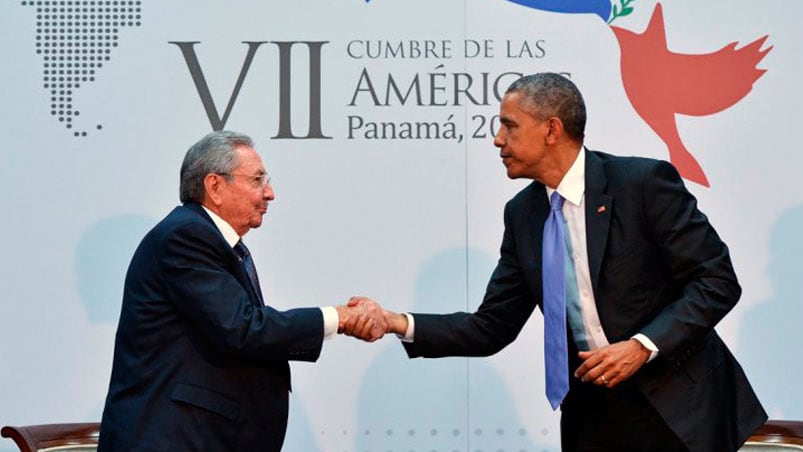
(538, 216)
(234, 263)
(531, 229)
(598, 214)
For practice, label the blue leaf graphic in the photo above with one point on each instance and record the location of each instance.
(601, 8)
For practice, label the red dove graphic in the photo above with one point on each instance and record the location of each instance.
(661, 83)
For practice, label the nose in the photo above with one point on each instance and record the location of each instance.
(267, 192)
(499, 139)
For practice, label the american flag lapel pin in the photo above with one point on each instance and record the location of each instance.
(601, 209)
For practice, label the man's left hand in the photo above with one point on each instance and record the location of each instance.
(610, 365)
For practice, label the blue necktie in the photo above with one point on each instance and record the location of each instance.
(556, 355)
(250, 269)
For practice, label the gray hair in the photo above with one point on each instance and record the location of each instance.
(213, 153)
(547, 94)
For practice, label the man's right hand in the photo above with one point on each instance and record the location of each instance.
(362, 318)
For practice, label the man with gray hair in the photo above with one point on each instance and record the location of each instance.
(200, 361)
(630, 276)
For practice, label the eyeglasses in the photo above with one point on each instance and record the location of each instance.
(258, 181)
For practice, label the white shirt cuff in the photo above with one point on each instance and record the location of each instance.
(648, 344)
(410, 334)
(330, 321)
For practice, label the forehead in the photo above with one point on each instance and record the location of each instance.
(511, 107)
(248, 159)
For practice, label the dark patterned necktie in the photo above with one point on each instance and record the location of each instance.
(250, 269)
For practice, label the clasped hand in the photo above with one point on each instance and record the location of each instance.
(363, 318)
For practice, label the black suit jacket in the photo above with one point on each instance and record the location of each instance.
(657, 267)
(199, 363)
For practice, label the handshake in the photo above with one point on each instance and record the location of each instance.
(364, 319)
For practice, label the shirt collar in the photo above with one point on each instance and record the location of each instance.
(225, 228)
(573, 184)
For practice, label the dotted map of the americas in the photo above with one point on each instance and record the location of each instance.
(75, 39)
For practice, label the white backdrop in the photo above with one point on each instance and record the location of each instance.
(411, 219)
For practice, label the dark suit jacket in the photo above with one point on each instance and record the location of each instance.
(657, 268)
(199, 363)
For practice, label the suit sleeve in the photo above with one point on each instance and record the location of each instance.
(504, 310)
(205, 291)
(697, 259)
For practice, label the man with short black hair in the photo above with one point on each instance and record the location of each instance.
(640, 279)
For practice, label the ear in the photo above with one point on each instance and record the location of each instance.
(555, 130)
(213, 184)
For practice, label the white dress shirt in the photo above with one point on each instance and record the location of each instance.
(572, 189)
